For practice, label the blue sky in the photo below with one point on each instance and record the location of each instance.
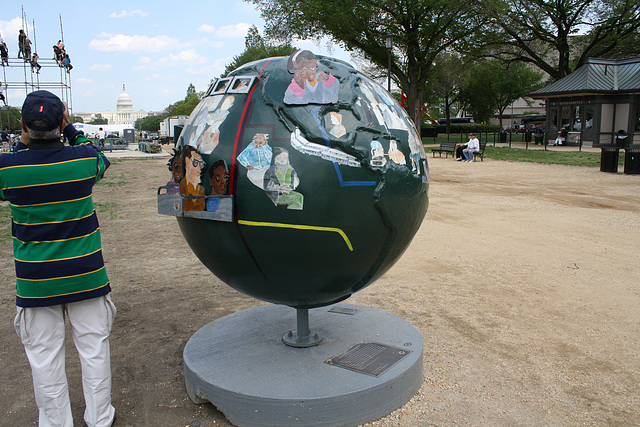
(154, 48)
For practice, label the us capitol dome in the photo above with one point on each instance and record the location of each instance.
(125, 104)
(123, 115)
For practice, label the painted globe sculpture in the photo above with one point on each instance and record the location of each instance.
(298, 180)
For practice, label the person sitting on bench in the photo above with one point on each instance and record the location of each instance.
(460, 151)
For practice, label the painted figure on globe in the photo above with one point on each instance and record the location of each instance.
(396, 155)
(218, 176)
(334, 124)
(281, 179)
(377, 154)
(190, 187)
(209, 136)
(309, 85)
(176, 167)
(257, 158)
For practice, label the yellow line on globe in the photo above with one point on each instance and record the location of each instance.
(298, 227)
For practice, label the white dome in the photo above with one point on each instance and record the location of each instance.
(124, 102)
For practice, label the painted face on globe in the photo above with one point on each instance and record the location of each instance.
(218, 180)
(323, 186)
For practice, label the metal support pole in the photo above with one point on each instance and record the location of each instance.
(302, 337)
(389, 72)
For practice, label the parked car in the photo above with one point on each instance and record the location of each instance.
(514, 128)
(532, 122)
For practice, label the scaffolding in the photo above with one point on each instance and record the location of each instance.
(20, 77)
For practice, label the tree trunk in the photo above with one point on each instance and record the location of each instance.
(414, 95)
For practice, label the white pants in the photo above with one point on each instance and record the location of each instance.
(42, 331)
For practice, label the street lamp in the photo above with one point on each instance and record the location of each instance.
(389, 47)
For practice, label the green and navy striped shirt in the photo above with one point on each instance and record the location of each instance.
(56, 236)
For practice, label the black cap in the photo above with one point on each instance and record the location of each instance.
(45, 106)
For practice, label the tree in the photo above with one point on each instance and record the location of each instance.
(421, 30)
(149, 123)
(10, 118)
(76, 119)
(99, 120)
(256, 47)
(558, 36)
(184, 107)
(445, 83)
(491, 87)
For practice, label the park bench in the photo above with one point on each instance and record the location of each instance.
(480, 152)
(445, 147)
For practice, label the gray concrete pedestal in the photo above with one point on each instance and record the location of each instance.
(368, 364)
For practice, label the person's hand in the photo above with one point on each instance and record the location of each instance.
(66, 118)
(322, 76)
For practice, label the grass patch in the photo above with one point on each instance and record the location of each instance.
(5, 222)
(571, 158)
(113, 180)
(106, 208)
(551, 157)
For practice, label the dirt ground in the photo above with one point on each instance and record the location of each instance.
(524, 282)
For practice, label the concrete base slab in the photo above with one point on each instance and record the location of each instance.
(368, 364)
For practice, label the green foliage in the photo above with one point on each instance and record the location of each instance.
(445, 82)
(150, 123)
(76, 119)
(99, 120)
(491, 87)
(10, 118)
(256, 47)
(559, 36)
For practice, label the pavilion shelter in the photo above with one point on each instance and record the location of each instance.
(598, 104)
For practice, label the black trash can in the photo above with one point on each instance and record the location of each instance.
(621, 138)
(609, 159)
(503, 137)
(632, 160)
(527, 136)
(538, 136)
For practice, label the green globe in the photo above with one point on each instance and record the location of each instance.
(299, 180)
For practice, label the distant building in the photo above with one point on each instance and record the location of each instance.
(123, 115)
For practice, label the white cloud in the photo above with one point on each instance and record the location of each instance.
(10, 28)
(207, 69)
(125, 13)
(206, 42)
(233, 31)
(83, 80)
(183, 58)
(190, 56)
(207, 28)
(135, 43)
(100, 67)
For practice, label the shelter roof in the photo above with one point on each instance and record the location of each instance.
(597, 76)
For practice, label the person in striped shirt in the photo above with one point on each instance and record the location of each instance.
(60, 271)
